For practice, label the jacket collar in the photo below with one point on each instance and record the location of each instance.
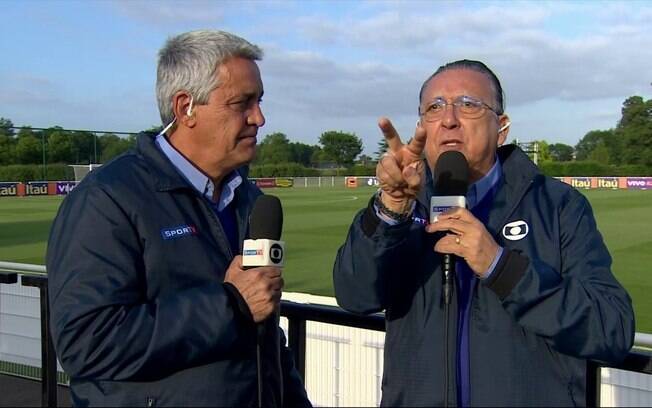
(518, 172)
(166, 176)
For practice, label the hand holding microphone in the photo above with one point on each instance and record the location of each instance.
(466, 236)
(260, 287)
(257, 273)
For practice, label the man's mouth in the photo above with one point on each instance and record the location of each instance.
(451, 143)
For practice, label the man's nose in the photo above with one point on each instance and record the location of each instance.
(450, 119)
(256, 118)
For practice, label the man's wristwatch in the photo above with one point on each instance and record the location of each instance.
(396, 216)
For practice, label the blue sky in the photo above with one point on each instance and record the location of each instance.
(566, 67)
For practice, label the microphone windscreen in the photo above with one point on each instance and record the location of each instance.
(451, 175)
(266, 219)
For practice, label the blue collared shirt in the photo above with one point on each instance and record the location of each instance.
(205, 186)
(477, 191)
(197, 178)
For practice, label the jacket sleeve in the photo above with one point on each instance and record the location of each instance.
(366, 265)
(581, 310)
(103, 325)
(294, 390)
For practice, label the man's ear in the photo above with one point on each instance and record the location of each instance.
(503, 131)
(183, 107)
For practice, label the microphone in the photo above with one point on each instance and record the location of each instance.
(451, 181)
(264, 248)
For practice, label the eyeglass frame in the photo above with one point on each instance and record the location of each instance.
(456, 104)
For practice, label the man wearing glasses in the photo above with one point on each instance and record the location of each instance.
(535, 296)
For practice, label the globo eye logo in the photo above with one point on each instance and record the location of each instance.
(276, 253)
(515, 230)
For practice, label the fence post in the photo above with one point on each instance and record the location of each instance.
(297, 343)
(593, 380)
(48, 356)
(8, 277)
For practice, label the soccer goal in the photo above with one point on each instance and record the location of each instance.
(81, 170)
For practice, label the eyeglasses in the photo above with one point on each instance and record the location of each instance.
(467, 107)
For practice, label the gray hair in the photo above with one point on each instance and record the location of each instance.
(189, 61)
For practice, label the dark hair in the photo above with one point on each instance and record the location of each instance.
(473, 66)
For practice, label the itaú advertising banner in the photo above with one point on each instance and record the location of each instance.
(639, 183)
(65, 187)
(607, 182)
(8, 189)
(36, 188)
(580, 182)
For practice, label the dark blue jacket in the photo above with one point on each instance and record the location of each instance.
(139, 314)
(551, 303)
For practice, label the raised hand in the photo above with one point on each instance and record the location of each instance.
(400, 172)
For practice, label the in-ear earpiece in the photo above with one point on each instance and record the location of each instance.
(505, 126)
(418, 123)
(189, 110)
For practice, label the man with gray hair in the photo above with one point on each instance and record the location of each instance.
(150, 302)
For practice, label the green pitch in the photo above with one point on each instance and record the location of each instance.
(317, 221)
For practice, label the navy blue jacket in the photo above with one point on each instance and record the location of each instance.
(551, 303)
(139, 313)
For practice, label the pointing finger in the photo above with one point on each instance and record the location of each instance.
(391, 135)
(418, 142)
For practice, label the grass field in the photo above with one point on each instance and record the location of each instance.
(317, 220)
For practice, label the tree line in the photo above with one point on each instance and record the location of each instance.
(628, 144)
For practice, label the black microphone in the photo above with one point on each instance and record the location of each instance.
(264, 248)
(451, 181)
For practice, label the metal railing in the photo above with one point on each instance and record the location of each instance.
(297, 314)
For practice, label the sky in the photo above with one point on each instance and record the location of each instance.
(566, 67)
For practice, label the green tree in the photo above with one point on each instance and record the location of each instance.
(592, 140)
(6, 127)
(7, 149)
(301, 153)
(543, 151)
(275, 148)
(59, 147)
(83, 147)
(112, 145)
(560, 152)
(341, 147)
(634, 131)
(600, 154)
(29, 147)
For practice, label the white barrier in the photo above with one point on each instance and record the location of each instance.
(343, 365)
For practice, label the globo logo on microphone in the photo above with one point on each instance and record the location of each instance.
(276, 253)
(263, 252)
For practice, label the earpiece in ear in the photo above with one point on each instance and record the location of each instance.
(505, 126)
(418, 123)
(189, 111)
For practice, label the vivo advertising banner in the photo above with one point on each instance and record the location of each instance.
(65, 187)
(36, 188)
(639, 183)
(8, 189)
